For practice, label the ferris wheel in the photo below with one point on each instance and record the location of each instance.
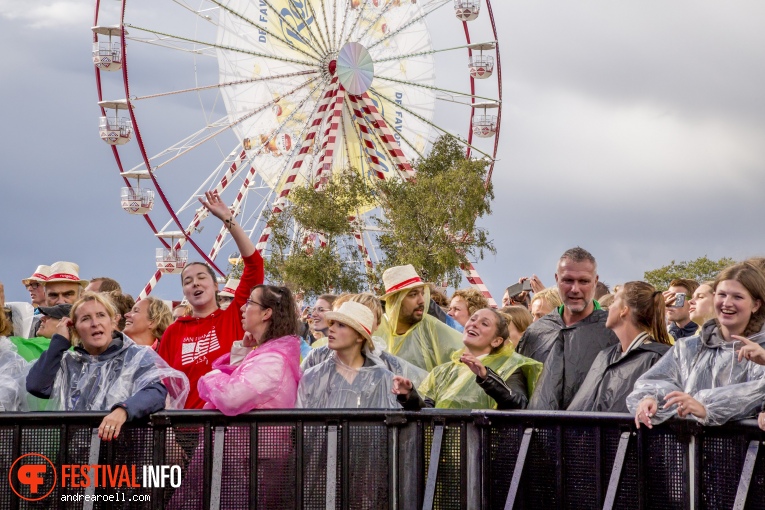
(255, 97)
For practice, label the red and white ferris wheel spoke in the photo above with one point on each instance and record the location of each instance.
(360, 242)
(389, 140)
(365, 138)
(476, 281)
(329, 142)
(308, 140)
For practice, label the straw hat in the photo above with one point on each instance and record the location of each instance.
(230, 288)
(65, 272)
(355, 315)
(41, 275)
(400, 278)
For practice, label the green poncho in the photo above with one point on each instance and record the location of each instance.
(453, 385)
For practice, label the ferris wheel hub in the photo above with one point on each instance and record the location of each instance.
(355, 68)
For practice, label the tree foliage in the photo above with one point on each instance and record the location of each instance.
(431, 222)
(700, 269)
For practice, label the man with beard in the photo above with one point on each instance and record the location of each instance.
(409, 332)
(567, 342)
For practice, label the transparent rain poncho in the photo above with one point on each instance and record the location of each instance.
(427, 344)
(707, 368)
(393, 363)
(96, 383)
(453, 385)
(13, 372)
(334, 385)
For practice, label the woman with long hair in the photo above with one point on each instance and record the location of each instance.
(704, 376)
(486, 374)
(637, 317)
(192, 343)
(702, 304)
(106, 370)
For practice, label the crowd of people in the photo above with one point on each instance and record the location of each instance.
(692, 350)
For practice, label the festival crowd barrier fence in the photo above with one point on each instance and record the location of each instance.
(319, 459)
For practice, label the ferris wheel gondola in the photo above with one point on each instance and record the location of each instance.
(270, 96)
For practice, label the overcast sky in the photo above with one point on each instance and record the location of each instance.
(635, 130)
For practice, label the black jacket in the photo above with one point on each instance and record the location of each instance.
(566, 352)
(612, 376)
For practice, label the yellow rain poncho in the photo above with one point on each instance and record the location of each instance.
(453, 385)
(427, 344)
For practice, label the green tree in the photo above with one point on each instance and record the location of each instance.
(700, 269)
(430, 222)
(336, 265)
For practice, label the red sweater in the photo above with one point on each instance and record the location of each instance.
(191, 344)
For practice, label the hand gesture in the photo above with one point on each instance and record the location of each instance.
(474, 364)
(645, 411)
(216, 206)
(536, 284)
(686, 405)
(669, 298)
(751, 350)
(62, 328)
(112, 424)
(401, 385)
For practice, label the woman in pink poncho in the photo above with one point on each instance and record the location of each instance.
(261, 372)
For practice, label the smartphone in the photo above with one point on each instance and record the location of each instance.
(526, 284)
(679, 300)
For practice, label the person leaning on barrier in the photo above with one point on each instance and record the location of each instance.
(106, 371)
(262, 370)
(395, 364)
(710, 376)
(352, 376)
(567, 340)
(408, 331)
(191, 344)
(486, 374)
(637, 317)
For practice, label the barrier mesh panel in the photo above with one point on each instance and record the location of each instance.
(721, 461)
(276, 466)
(235, 484)
(185, 446)
(505, 442)
(40, 441)
(6, 460)
(448, 481)
(627, 496)
(368, 466)
(540, 476)
(314, 467)
(756, 497)
(666, 468)
(580, 475)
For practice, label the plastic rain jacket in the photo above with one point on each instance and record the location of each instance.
(453, 385)
(13, 372)
(427, 344)
(331, 384)
(613, 374)
(84, 382)
(393, 363)
(267, 378)
(566, 353)
(707, 368)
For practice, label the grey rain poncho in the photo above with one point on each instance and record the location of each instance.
(566, 353)
(96, 383)
(707, 368)
(333, 385)
(613, 374)
(393, 363)
(13, 372)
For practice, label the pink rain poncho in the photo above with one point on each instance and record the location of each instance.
(267, 378)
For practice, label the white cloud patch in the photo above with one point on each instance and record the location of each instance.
(47, 15)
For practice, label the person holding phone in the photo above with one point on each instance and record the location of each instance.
(711, 377)
(677, 300)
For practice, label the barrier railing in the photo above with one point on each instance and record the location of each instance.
(376, 459)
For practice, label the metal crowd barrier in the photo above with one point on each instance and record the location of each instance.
(393, 460)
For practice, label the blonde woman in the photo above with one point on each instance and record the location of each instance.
(147, 321)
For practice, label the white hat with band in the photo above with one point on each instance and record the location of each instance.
(230, 288)
(356, 316)
(65, 272)
(40, 275)
(400, 278)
